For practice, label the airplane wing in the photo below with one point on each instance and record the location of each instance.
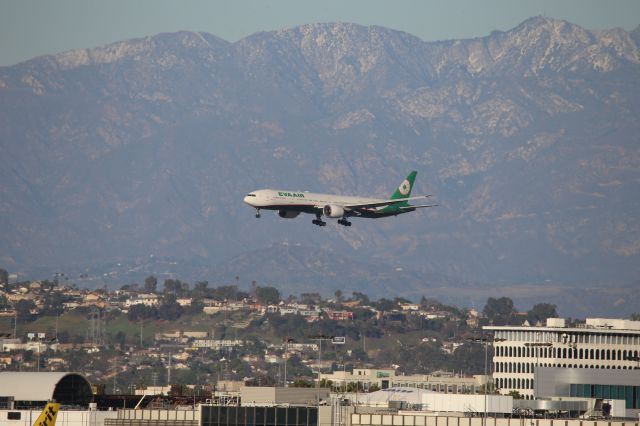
(382, 203)
(418, 207)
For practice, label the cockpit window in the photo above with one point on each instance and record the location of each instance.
(251, 195)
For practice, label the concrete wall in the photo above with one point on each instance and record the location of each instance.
(174, 415)
(467, 403)
(134, 422)
(422, 420)
(250, 395)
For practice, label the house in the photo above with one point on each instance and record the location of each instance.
(351, 303)
(143, 299)
(288, 311)
(339, 315)
(409, 307)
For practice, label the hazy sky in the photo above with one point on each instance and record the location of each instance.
(30, 28)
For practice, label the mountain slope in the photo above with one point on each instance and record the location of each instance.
(528, 138)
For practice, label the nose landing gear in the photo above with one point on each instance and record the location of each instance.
(258, 214)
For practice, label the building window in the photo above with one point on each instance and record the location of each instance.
(13, 415)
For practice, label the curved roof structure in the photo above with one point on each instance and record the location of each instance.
(65, 388)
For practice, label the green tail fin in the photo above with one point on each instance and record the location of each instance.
(404, 190)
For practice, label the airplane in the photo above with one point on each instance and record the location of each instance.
(290, 204)
(48, 415)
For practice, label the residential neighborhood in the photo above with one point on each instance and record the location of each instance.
(140, 335)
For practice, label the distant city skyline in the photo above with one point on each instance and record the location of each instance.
(31, 28)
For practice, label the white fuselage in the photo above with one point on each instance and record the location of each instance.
(272, 199)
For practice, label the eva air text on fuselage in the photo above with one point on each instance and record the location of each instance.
(291, 194)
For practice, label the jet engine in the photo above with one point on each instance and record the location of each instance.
(331, 210)
(288, 214)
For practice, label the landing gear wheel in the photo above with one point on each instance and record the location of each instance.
(318, 221)
(344, 222)
(258, 214)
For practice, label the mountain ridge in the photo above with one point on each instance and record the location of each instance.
(527, 138)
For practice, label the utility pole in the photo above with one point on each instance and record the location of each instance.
(319, 339)
(286, 355)
(115, 374)
(38, 340)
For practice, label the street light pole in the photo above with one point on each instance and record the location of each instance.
(319, 339)
(486, 342)
(286, 354)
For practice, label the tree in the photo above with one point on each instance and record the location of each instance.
(399, 300)
(170, 309)
(515, 394)
(363, 298)
(171, 285)
(150, 284)
(120, 338)
(541, 312)
(200, 288)
(499, 311)
(53, 305)
(310, 298)
(355, 387)
(338, 295)
(325, 383)
(4, 276)
(140, 311)
(227, 292)
(23, 309)
(268, 295)
(385, 305)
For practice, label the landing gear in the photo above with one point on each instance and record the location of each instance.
(258, 214)
(318, 221)
(344, 222)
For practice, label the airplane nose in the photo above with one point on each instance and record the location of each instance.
(247, 200)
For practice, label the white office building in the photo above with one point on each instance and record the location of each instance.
(597, 344)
